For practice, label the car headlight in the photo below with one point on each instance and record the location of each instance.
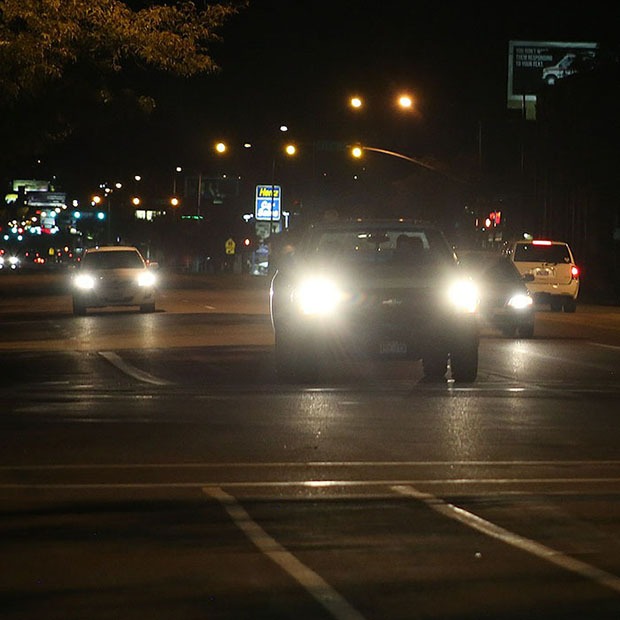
(84, 282)
(464, 297)
(146, 279)
(520, 301)
(13, 262)
(318, 296)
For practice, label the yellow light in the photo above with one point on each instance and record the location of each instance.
(357, 151)
(136, 201)
(356, 102)
(405, 102)
(174, 201)
(220, 147)
(96, 199)
(290, 149)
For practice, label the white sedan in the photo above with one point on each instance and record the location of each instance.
(114, 276)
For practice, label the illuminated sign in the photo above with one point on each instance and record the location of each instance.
(46, 199)
(30, 185)
(268, 201)
(532, 65)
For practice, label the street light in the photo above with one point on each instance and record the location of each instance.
(177, 170)
(405, 102)
(96, 200)
(290, 150)
(356, 102)
(358, 151)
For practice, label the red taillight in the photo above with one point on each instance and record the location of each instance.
(574, 272)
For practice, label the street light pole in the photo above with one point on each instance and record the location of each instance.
(358, 150)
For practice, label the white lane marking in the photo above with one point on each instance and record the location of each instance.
(451, 511)
(322, 592)
(257, 484)
(306, 464)
(132, 371)
(605, 346)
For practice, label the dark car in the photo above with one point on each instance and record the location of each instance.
(505, 302)
(378, 289)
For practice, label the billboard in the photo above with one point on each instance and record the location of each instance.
(532, 65)
(268, 201)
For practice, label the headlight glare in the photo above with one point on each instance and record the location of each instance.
(318, 296)
(84, 281)
(464, 296)
(520, 301)
(146, 279)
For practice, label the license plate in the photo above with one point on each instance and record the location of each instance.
(393, 347)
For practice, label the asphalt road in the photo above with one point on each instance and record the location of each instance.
(151, 466)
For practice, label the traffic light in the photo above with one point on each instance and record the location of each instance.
(493, 219)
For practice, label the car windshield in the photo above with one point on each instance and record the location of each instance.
(385, 247)
(535, 253)
(123, 259)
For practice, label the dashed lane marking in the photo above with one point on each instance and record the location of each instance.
(552, 556)
(318, 588)
(132, 371)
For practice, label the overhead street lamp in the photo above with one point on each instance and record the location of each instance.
(357, 151)
(403, 100)
(177, 170)
(96, 200)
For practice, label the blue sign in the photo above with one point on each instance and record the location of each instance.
(268, 200)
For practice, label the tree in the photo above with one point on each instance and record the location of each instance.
(60, 60)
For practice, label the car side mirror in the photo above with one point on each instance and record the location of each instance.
(154, 265)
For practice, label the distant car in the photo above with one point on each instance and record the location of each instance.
(114, 276)
(374, 289)
(505, 302)
(9, 263)
(556, 276)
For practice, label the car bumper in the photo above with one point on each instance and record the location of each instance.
(542, 291)
(365, 339)
(128, 297)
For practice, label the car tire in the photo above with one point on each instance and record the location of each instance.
(464, 361)
(79, 309)
(147, 307)
(294, 363)
(509, 332)
(526, 331)
(570, 305)
(435, 366)
(556, 304)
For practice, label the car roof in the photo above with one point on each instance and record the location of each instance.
(113, 248)
(362, 223)
(540, 242)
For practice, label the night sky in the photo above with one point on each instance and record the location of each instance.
(297, 61)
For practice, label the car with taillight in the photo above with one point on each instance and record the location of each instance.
(554, 270)
(379, 289)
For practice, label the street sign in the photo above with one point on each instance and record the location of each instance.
(230, 246)
(268, 201)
